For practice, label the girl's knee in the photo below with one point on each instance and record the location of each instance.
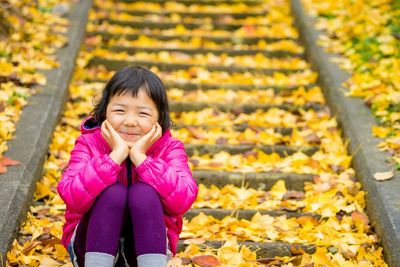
(114, 196)
(140, 188)
(143, 196)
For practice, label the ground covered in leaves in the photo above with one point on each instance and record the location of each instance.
(331, 206)
(30, 33)
(366, 37)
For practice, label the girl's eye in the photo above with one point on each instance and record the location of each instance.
(144, 113)
(119, 110)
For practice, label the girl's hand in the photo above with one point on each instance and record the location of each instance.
(120, 150)
(137, 152)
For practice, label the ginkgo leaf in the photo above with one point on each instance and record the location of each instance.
(8, 162)
(358, 216)
(175, 262)
(296, 250)
(48, 262)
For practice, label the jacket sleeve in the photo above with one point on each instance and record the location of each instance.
(86, 177)
(171, 178)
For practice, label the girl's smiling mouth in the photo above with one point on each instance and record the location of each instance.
(129, 135)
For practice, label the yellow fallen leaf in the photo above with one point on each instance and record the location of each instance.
(46, 261)
(278, 189)
(61, 252)
(380, 132)
(321, 258)
(175, 262)
(42, 191)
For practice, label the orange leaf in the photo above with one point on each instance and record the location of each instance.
(30, 246)
(195, 132)
(296, 250)
(4, 162)
(206, 261)
(358, 216)
(304, 219)
(8, 162)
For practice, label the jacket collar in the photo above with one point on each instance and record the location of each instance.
(89, 125)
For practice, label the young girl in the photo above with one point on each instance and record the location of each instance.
(128, 182)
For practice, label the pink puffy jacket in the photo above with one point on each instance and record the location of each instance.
(91, 170)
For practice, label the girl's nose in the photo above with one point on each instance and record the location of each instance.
(130, 121)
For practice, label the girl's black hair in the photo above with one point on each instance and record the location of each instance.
(131, 79)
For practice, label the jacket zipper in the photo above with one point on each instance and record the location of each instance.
(129, 171)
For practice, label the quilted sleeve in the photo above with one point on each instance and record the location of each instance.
(86, 177)
(171, 178)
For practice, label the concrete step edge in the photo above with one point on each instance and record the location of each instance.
(33, 132)
(356, 120)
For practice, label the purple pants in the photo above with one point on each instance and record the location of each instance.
(134, 213)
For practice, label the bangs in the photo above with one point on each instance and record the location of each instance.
(132, 80)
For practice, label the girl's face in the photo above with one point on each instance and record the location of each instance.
(132, 117)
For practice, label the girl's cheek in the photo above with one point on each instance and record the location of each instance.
(110, 116)
(145, 124)
(115, 120)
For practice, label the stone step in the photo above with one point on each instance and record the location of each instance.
(196, 86)
(266, 137)
(294, 181)
(205, 2)
(239, 108)
(287, 99)
(238, 127)
(236, 149)
(216, 51)
(246, 214)
(234, 39)
(115, 64)
(170, 25)
(193, 14)
(191, 86)
(216, 117)
(263, 250)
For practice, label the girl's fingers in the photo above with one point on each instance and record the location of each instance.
(148, 137)
(159, 130)
(111, 130)
(109, 127)
(104, 130)
(150, 134)
(157, 133)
